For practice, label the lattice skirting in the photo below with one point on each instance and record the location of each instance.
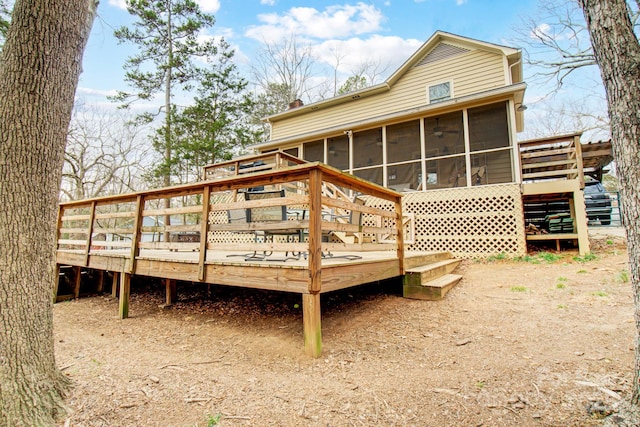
(468, 222)
(471, 222)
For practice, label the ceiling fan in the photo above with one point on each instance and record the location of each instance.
(439, 131)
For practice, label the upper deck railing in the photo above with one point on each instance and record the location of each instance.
(553, 158)
(200, 218)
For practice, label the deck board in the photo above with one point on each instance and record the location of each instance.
(290, 276)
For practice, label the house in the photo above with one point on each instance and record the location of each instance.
(443, 130)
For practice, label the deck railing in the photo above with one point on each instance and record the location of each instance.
(559, 157)
(250, 164)
(200, 212)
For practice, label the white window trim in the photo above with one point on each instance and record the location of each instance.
(430, 85)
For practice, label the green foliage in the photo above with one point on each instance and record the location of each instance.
(586, 258)
(353, 84)
(499, 257)
(5, 20)
(623, 277)
(213, 420)
(216, 126)
(599, 294)
(548, 257)
(560, 286)
(519, 289)
(538, 258)
(527, 258)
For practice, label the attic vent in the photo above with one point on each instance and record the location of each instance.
(440, 52)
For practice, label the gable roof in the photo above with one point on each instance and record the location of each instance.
(440, 45)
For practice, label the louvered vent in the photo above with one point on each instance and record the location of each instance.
(440, 52)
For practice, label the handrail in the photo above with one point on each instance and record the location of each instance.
(135, 221)
(558, 157)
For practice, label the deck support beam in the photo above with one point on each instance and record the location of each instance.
(100, 281)
(125, 287)
(114, 284)
(311, 324)
(171, 292)
(77, 279)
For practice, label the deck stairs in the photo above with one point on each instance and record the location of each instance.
(430, 277)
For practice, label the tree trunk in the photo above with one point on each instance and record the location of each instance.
(168, 116)
(618, 54)
(39, 70)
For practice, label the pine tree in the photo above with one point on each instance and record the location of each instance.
(217, 125)
(166, 33)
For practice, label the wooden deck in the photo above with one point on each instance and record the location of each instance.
(272, 273)
(187, 233)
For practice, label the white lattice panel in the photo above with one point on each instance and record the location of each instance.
(468, 222)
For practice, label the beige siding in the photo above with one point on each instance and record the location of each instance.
(472, 72)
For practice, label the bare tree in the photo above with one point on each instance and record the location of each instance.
(561, 61)
(286, 65)
(39, 69)
(557, 41)
(104, 154)
(617, 52)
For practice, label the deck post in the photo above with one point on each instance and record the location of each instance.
(87, 247)
(171, 292)
(315, 231)
(204, 230)
(100, 284)
(77, 279)
(400, 235)
(579, 163)
(135, 238)
(311, 325)
(114, 284)
(579, 213)
(125, 287)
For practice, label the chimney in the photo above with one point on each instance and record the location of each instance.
(295, 104)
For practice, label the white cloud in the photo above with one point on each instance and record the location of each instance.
(122, 4)
(207, 6)
(334, 22)
(389, 51)
(95, 92)
(541, 30)
(268, 2)
(460, 2)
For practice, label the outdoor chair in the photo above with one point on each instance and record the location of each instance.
(353, 217)
(266, 214)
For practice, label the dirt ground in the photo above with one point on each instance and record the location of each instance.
(537, 342)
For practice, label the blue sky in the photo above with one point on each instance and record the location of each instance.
(385, 30)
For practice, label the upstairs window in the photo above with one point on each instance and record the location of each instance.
(439, 92)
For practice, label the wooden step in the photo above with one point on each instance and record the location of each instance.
(433, 290)
(425, 273)
(412, 261)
